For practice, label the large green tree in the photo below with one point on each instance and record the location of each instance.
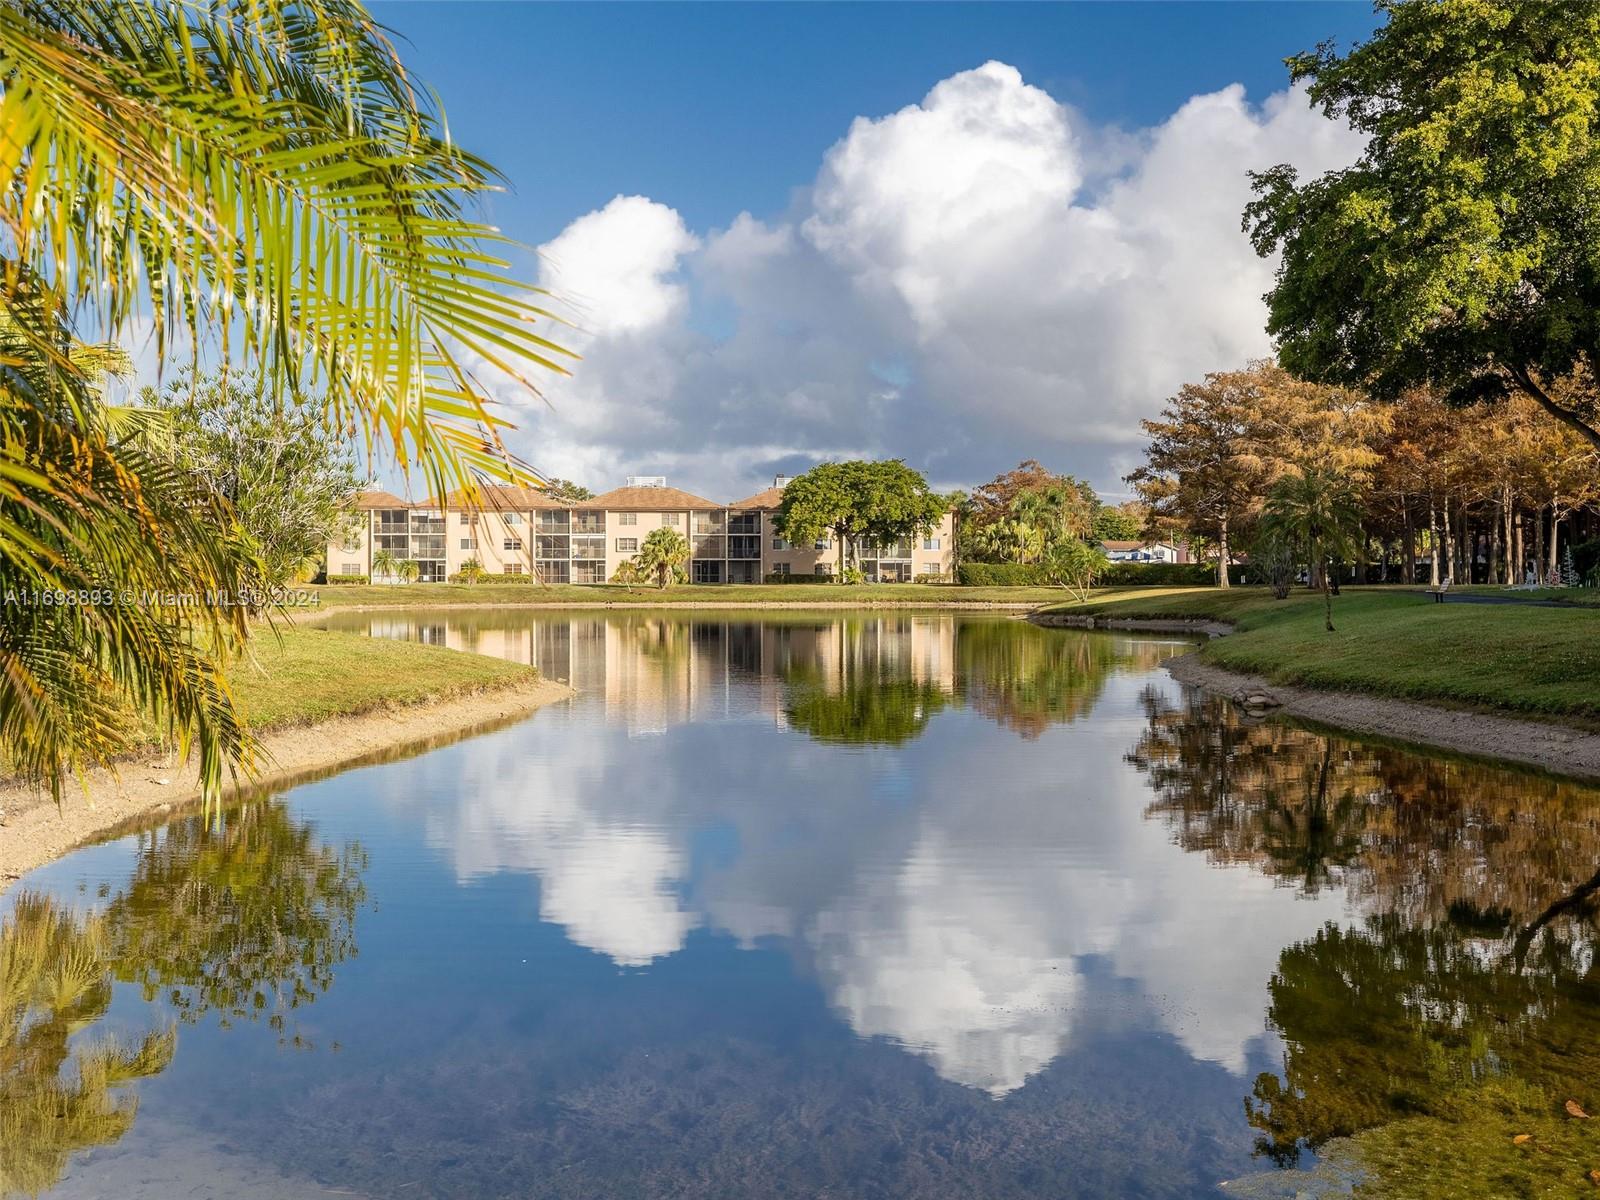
(1462, 249)
(855, 502)
(285, 472)
(663, 556)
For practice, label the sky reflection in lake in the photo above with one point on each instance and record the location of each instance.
(849, 905)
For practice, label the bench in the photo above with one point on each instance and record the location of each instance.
(1439, 593)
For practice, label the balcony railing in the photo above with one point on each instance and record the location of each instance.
(746, 547)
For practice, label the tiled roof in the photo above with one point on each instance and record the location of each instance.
(1124, 545)
(647, 499)
(771, 498)
(366, 501)
(501, 496)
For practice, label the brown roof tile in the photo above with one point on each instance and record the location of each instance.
(502, 496)
(647, 499)
(366, 501)
(769, 499)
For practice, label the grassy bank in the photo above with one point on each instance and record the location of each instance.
(434, 595)
(1388, 642)
(303, 675)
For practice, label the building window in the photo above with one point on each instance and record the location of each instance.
(469, 543)
(352, 568)
(780, 568)
(513, 543)
(779, 544)
(823, 569)
(671, 520)
(823, 544)
(513, 569)
(513, 518)
(467, 519)
(588, 572)
(628, 545)
(930, 543)
(627, 518)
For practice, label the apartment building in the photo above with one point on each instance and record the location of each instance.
(518, 531)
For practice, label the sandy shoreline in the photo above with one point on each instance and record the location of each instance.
(33, 831)
(1548, 745)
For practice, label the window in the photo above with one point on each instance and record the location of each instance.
(553, 521)
(823, 544)
(823, 569)
(930, 543)
(469, 543)
(627, 518)
(513, 569)
(628, 545)
(513, 518)
(780, 568)
(467, 519)
(779, 544)
(513, 543)
(589, 572)
(706, 572)
(672, 520)
(352, 569)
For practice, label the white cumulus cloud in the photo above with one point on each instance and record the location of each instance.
(975, 278)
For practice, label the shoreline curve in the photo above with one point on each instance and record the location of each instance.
(33, 831)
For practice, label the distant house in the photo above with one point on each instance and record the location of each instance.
(1145, 552)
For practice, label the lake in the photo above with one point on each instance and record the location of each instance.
(821, 905)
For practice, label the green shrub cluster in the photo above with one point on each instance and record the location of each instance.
(974, 574)
(798, 579)
(1132, 574)
(347, 579)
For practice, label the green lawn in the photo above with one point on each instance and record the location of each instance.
(433, 595)
(303, 675)
(1395, 643)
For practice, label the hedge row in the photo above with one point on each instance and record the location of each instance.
(1121, 574)
(798, 579)
(347, 579)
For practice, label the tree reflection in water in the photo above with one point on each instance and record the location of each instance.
(244, 916)
(1463, 1010)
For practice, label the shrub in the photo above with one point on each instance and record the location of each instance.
(798, 579)
(347, 579)
(1585, 559)
(1136, 574)
(931, 577)
(1002, 575)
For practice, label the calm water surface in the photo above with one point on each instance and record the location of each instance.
(820, 906)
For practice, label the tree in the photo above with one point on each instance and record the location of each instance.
(566, 490)
(280, 190)
(854, 502)
(385, 565)
(1462, 249)
(1205, 470)
(1075, 565)
(407, 570)
(1315, 510)
(628, 572)
(663, 554)
(471, 572)
(282, 468)
(1123, 523)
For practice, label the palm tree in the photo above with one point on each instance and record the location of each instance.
(663, 554)
(1316, 511)
(385, 564)
(281, 192)
(408, 570)
(1060, 510)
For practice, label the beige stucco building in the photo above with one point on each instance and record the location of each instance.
(518, 531)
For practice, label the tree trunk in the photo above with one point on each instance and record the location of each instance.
(1538, 545)
(1555, 541)
(1493, 573)
(1519, 556)
(1449, 545)
(1433, 543)
(1361, 557)
(1408, 548)
(1222, 553)
(1327, 603)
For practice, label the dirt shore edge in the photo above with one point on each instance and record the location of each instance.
(33, 831)
(1547, 745)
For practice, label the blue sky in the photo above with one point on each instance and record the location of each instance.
(958, 234)
(716, 108)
